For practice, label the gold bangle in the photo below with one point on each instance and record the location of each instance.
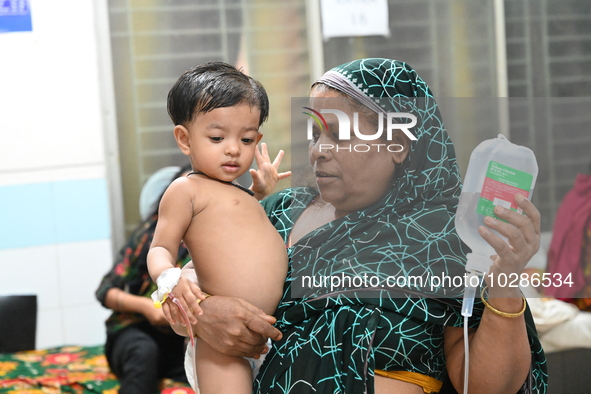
(501, 313)
(199, 300)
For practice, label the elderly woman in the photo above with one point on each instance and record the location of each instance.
(383, 208)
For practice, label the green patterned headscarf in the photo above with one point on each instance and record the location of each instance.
(333, 341)
(412, 227)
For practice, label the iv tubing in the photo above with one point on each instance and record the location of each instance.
(467, 306)
(190, 331)
(466, 355)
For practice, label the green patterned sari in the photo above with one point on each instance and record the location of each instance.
(333, 341)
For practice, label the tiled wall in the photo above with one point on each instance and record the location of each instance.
(55, 228)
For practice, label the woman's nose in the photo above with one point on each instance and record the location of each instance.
(321, 149)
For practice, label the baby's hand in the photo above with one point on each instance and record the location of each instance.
(189, 295)
(266, 177)
(172, 313)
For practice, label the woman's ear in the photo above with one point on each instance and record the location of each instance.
(181, 135)
(400, 150)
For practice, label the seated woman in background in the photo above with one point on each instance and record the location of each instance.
(383, 211)
(570, 248)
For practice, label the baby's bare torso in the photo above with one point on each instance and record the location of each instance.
(235, 249)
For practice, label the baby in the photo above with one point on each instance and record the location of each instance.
(236, 251)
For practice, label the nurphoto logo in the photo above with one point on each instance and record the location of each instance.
(345, 129)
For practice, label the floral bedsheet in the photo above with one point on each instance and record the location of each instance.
(68, 369)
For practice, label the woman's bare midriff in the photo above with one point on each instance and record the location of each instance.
(388, 386)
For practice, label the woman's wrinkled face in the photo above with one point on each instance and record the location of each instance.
(351, 174)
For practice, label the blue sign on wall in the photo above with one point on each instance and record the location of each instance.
(15, 15)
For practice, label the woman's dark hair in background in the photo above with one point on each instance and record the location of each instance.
(366, 113)
(212, 85)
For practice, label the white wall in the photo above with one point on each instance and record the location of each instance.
(55, 222)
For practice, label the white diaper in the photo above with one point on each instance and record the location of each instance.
(255, 364)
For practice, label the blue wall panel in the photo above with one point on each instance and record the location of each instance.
(53, 212)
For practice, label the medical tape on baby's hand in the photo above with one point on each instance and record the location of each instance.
(167, 280)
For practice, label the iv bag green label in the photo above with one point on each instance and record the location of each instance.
(501, 184)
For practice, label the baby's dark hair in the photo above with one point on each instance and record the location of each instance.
(212, 85)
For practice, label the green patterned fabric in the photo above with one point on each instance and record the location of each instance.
(66, 369)
(333, 341)
(130, 273)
